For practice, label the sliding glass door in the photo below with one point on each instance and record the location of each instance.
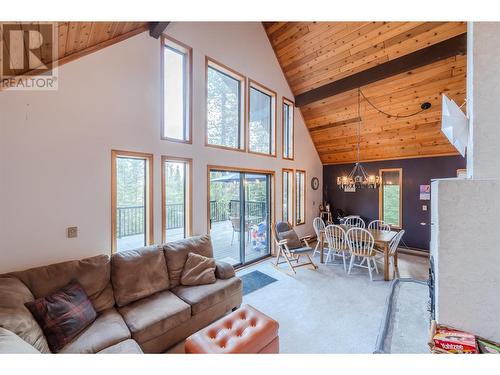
(240, 215)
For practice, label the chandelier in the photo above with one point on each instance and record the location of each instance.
(358, 178)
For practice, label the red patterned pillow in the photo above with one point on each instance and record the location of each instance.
(63, 315)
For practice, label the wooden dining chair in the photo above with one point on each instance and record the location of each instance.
(360, 242)
(318, 226)
(393, 249)
(337, 245)
(354, 221)
(379, 225)
(290, 247)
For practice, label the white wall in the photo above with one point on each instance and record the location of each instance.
(465, 219)
(55, 147)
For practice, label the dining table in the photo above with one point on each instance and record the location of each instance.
(382, 240)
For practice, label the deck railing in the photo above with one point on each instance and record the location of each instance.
(130, 219)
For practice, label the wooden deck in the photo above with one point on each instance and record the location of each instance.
(225, 243)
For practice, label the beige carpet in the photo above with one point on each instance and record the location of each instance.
(327, 311)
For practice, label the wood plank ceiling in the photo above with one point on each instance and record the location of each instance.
(315, 54)
(77, 39)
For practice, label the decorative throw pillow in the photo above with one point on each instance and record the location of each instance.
(198, 270)
(63, 315)
(293, 241)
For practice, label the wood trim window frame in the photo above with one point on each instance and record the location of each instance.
(295, 195)
(290, 184)
(291, 104)
(115, 154)
(381, 193)
(274, 116)
(188, 209)
(167, 41)
(214, 64)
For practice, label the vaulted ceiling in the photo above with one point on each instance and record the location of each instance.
(77, 39)
(319, 55)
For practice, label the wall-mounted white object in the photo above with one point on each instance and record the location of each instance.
(454, 124)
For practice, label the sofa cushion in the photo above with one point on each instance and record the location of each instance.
(93, 274)
(138, 273)
(10, 343)
(63, 314)
(177, 252)
(201, 297)
(125, 347)
(15, 317)
(107, 330)
(152, 316)
(198, 270)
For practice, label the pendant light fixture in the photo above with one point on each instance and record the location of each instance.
(358, 176)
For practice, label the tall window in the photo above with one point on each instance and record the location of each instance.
(177, 87)
(261, 120)
(288, 129)
(300, 197)
(225, 107)
(390, 196)
(287, 196)
(176, 198)
(131, 200)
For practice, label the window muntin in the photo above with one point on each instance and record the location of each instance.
(390, 196)
(261, 120)
(131, 200)
(225, 107)
(288, 129)
(177, 63)
(287, 195)
(176, 198)
(300, 197)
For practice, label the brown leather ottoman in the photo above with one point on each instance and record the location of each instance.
(245, 330)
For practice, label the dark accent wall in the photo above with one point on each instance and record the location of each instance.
(416, 172)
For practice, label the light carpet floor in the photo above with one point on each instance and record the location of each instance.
(327, 311)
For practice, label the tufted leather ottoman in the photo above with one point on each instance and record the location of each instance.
(245, 330)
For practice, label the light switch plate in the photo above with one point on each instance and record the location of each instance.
(72, 232)
(424, 207)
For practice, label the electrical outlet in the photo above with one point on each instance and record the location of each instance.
(424, 207)
(72, 232)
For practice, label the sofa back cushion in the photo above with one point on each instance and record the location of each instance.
(93, 274)
(138, 273)
(177, 253)
(10, 343)
(15, 317)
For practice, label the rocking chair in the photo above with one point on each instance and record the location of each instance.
(291, 247)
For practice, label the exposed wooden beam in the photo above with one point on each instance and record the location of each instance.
(439, 51)
(157, 28)
(334, 124)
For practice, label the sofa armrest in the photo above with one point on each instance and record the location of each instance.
(223, 270)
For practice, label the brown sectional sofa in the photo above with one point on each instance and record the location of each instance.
(141, 305)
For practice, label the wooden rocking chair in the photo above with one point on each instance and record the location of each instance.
(291, 247)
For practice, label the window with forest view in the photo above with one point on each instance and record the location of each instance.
(300, 197)
(225, 106)
(287, 195)
(390, 196)
(176, 91)
(131, 200)
(261, 124)
(176, 193)
(288, 129)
